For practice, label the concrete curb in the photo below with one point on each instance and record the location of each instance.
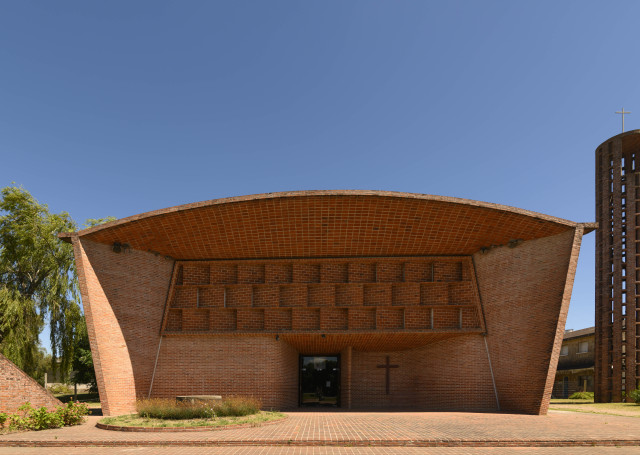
(103, 426)
(336, 443)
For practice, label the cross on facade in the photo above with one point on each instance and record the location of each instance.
(388, 367)
(622, 112)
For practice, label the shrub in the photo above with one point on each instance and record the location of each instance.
(42, 419)
(29, 418)
(72, 413)
(60, 389)
(238, 406)
(635, 395)
(3, 418)
(163, 408)
(582, 396)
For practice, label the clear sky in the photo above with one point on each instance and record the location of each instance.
(120, 107)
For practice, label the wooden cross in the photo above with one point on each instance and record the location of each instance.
(622, 112)
(388, 366)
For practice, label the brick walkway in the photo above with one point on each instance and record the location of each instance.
(378, 429)
(256, 450)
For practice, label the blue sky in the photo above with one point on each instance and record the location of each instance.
(116, 108)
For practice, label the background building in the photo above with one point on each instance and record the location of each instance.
(618, 267)
(576, 364)
(358, 299)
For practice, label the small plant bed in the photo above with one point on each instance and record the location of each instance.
(136, 423)
(169, 415)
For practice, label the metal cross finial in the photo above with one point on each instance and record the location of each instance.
(622, 112)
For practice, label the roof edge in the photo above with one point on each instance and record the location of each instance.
(66, 236)
(619, 136)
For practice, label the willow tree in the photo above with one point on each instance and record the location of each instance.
(37, 280)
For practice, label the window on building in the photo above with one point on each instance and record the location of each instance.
(583, 347)
(564, 350)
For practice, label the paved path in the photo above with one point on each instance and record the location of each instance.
(346, 429)
(321, 451)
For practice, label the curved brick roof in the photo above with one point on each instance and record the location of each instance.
(346, 223)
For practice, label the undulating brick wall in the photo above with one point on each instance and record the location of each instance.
(525, 292)
(123, 296)
(17, 387)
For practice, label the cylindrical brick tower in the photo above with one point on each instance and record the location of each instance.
(617, 368)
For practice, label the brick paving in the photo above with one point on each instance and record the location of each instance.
(261, 450)
(368, 429)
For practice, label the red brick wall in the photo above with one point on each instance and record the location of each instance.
(16, 387)
(524, 290)
(452, 374)
(525, 293)
(448, 375)
(123, 296)
(346, 362)
(228, 365)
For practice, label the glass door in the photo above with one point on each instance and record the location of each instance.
(320, 380)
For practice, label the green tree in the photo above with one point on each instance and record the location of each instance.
(42, 363)
(83, 360)
(91, 222)
(37, 281)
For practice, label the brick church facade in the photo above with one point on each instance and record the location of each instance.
(356, 299)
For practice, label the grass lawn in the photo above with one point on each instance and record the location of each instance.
(92, 400)
(569, 401)
(134, 420)
(619, 409)
(88, 398)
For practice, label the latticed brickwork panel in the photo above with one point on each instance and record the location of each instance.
(329, 295)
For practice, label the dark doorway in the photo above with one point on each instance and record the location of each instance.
(320, 380)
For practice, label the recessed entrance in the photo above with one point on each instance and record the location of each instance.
(320, 380)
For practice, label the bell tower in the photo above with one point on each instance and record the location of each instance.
(618, 267)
